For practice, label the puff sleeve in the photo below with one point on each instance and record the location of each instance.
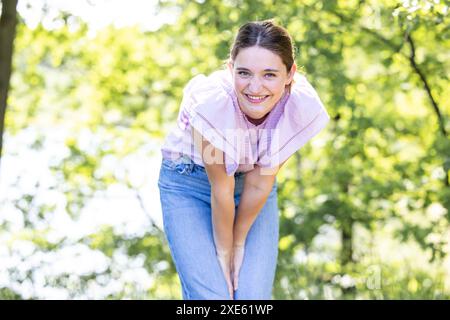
(208, 107)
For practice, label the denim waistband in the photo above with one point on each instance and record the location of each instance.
(185, 165)
(182, 165)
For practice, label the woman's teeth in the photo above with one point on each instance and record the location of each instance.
(256, 99)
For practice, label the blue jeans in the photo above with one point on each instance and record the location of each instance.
(186, 206)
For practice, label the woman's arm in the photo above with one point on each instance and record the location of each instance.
(258, 184)
(222, 204)
(222, 193)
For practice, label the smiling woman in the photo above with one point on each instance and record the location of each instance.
(218, 189)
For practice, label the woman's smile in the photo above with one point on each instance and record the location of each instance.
(256, 99)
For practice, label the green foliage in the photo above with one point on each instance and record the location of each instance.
(378, 173)
(8, 294)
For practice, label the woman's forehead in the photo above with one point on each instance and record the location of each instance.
(258, 59)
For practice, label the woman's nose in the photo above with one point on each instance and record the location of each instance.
(255, 85)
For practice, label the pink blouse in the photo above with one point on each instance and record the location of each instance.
(210, 105)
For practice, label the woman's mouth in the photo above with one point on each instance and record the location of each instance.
(256, 99)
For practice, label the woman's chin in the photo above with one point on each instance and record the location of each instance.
(256, 112)
(255, 116)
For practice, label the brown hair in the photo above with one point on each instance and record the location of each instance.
(267, 35)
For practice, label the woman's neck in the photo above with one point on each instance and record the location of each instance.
(257, 122)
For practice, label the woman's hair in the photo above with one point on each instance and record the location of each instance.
(267, 35)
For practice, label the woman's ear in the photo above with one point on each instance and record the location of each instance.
(291, 73)
(230, 66)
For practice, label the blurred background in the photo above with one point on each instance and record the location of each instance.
(96, 85)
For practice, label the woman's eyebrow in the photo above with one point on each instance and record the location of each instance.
(266, 70)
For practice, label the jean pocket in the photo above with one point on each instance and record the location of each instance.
(168, 164)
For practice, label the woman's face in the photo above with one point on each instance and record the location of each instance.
(259, 78)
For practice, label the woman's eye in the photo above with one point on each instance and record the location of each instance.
(245, 73)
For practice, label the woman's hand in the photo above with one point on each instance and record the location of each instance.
(224, 258)
(237, 259)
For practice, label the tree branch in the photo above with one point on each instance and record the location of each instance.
(141, 203)
(412, 60)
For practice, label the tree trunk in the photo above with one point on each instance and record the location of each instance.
(347, 254)
(8, 21)
(347, 239)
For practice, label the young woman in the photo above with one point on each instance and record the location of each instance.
(235, 129)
